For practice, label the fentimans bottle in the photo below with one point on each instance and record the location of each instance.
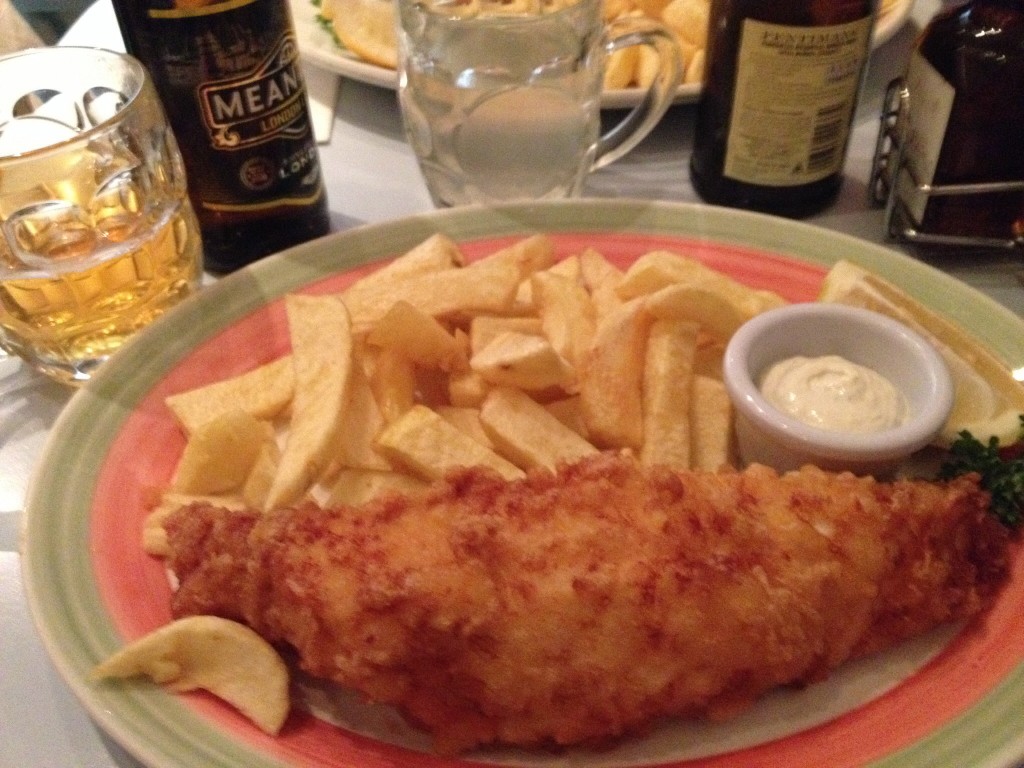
(229, 76)
(781, 84)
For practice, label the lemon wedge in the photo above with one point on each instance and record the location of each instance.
(988, 400)
(223, 657)
(366, 28)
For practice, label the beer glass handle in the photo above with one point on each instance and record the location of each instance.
(623, 33)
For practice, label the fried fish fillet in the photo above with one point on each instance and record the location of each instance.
(579, 606)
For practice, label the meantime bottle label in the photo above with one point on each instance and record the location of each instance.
(263, 104)
(229, 75)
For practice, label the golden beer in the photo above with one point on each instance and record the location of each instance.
(97, 235)
(71, 319)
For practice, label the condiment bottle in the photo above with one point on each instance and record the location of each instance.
(228, 74)
(781, 84)
(965, 125)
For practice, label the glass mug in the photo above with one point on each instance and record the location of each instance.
(501, 99)
(97, 236)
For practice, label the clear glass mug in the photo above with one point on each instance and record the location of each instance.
(97, 236)
(501, 99)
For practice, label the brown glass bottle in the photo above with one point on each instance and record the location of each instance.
(781, 84)
(228, 74)
(965, 82)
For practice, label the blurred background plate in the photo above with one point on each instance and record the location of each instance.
(319, 47)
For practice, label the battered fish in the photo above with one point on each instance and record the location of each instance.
(578, 607)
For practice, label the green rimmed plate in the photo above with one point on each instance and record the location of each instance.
(952, 697)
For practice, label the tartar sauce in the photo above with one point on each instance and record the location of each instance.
(830, 392)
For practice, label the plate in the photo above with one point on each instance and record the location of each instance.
(318, 46)
(956, 692)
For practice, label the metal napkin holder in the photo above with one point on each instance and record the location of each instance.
(889, 164)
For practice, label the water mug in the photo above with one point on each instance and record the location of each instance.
(501, 99)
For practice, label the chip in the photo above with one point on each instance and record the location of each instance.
(263, 393)
(429, 446)
(223, 657)
(528, 435)
(322, 347)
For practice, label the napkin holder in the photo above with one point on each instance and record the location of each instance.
(889, 166)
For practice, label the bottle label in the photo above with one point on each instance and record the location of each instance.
(229, 76)
(258, 106)
(796, 90)
(930, 104)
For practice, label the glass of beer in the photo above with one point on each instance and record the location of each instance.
(97, 236)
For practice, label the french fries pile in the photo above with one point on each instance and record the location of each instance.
(637, 65)
(514, 361)
(687, 19)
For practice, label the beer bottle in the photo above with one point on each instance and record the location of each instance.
(965, 123)
(228, 74)
(781, 84)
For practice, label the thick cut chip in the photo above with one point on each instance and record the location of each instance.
(220, 454)
(438, 252)
(435, 254)
(223, 657)
(601, 279)
(322, 346)
(419, 336)
(708, 358)
(361, 421)
(528, 435)
(261, 476)
(468, 389)
(263, 393)
(657, 270)
(611, 378)
(527, 255)
(466, 419)
(566, 314)
(522, 360)
(525, 303)
(711, 418)
(478, 288)
(429, 446)
(353, 487)
(393, 383)
(718, 312)
(483, 329)
(569, 267)
(567, 410)
(667, 384)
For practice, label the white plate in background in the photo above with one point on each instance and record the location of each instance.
(319, 47)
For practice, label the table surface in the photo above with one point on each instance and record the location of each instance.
(371, 176)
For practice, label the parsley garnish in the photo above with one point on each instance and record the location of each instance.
(1001, 475)
(325, 24)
